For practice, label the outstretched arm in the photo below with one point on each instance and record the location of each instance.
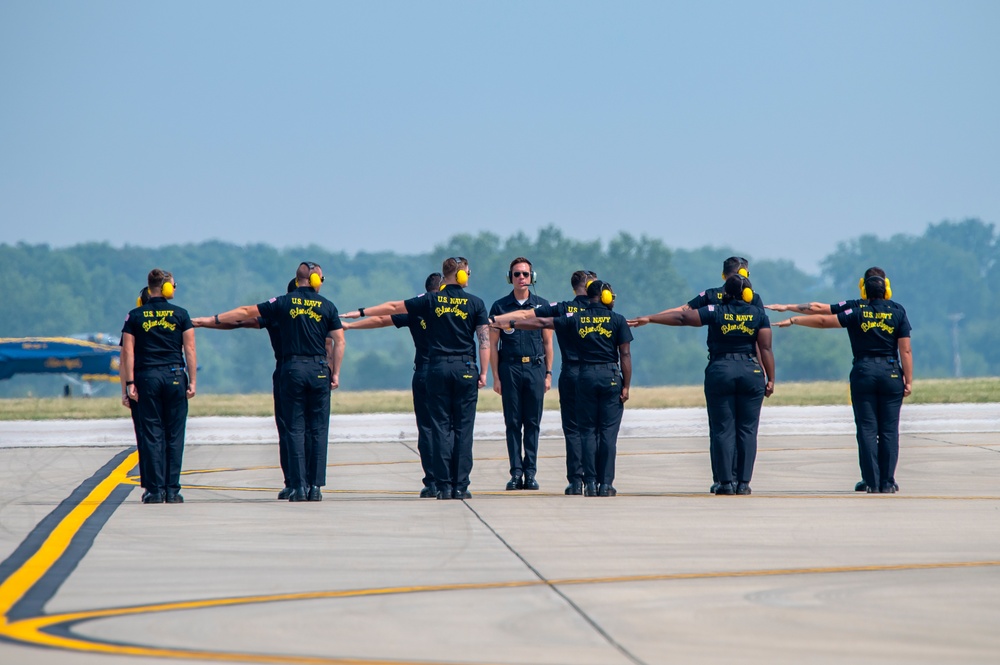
(390, 307)
(517, 315)
(811, 321)
(804, 308)
(235, 316)
(368, 324)
(210, 322)
(534, 323)
(671, 317)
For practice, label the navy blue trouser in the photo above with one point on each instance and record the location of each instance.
(424, 434)
(522, 391)
(734, 390)
(452, 408)
(877, 397)
(163, 409)
(305, 392)
(569, 375)
(599, 412)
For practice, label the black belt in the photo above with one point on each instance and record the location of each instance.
(599, 365)
(459, 358)
(519, 360)
(891, 360)
(296, 357)
(731, 356)
(171, 367)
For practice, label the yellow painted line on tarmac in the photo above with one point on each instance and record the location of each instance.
(33, 630)
(20, 581)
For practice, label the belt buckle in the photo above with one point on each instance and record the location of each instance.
(525, 359)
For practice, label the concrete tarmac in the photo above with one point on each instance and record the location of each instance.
(804, 570)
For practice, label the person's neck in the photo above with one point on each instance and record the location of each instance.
(521, 293)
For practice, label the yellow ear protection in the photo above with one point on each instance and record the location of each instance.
(742, 272)
(510, 273)
(462, 276)
(747, 291)
(167, 289)
(315, 280)
(607, 295)
(864, 291)
(591, 277)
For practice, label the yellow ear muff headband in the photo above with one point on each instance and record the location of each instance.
(167, 289)
(864, 292)
(607, 295)
(138, 301)
(462, 276)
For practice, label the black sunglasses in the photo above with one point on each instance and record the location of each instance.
(521, 274)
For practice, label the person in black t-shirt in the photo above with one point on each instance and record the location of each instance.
(601, 339)
(417, 326)
(569, 370)
(312, 350)
(159, 372)
(274, 336)
(734, 265)
(739, 343)
(882, 374)
(456, 319)
(522, 374)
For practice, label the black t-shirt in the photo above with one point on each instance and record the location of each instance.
(733, 327)
(567, 348)
(452, 316)
(517, 344)
(273, 334)
(304, 318)
(158, 328)
(714, 296)
(596, 333)
(874, 327)
(418, 331)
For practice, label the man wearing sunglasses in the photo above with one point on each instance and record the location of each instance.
(521, 361)
(312, 348)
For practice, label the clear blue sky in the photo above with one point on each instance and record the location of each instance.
(779, 128)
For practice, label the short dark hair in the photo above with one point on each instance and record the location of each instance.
(732, 265)
(451, 265)
(875, 286)
(157, 278)
(581, 277)
(433, 282)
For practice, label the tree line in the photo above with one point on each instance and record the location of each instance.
(942, 277)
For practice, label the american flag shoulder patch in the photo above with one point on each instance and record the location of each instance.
(848, 311)
(711, 308)
(272, 299)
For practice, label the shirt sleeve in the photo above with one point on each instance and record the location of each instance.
(708, 314)
(622, 333)
(495, 309)
(184, 320)
(847, 316)
(268, 309)
(904, 326)
(838, 307)
(400, 320)
(699, 301)
(479, 317)
(419, 305)
(546, 310)
(764, 321)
